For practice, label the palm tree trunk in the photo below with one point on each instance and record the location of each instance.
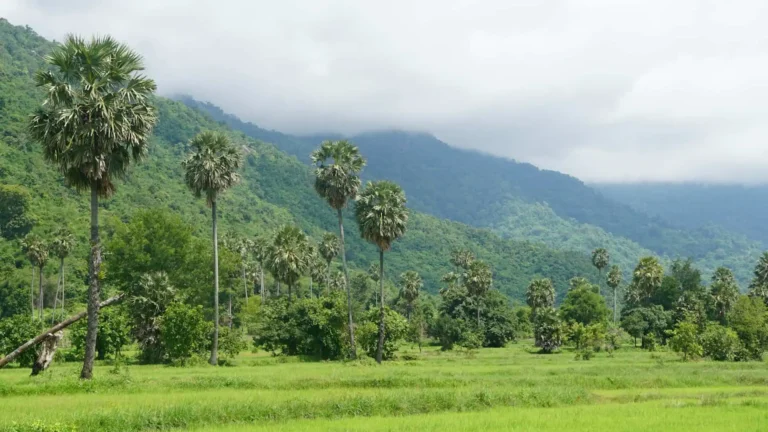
(229, 309)
(32, 292)
(614, 306)
(478, 313)
(40, 295)
(263, 294)
(93, 287)
(63, 292)
(352, 345)
(214, 360)
(245, 286)
(59, 289)
(278, 288)
(380, 347)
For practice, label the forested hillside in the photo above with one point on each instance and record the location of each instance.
(737, 208)
(519, 200)
(276, 189)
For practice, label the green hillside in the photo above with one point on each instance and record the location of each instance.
(519, 200)
(276, 189)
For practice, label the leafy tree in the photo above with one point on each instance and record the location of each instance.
(613, 282)
(95, 121)
(684, 340)
(232, 342)
(411, 284)
(288, 256)
(668, 293)
(148, 298)
(723, 294)
(540, 295)
(61, 246)
(337, 180)
(579, 282)
(14, 332)
(690, 306)
(114, 334)
(547, 329)
(211, 169)
(645, 321)
(15, 218)
(185, 332)
(500, 325)
(395, 330)
(688, 275)
(584, 306)
(646, 280)
(600, 260)
(748, 320)
(759, 285)
(720, 343)
(329, 249)
(381, 217)
(478, 279)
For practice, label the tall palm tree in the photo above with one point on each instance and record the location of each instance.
(260, 250)
(289, 256)
(613, 281)
(317, 270)
(95, 121)
(461, 259)
(759, 285)
(210, 170)
(724, 292)
(337, 180)
(600, 260)
(382, 217)
(646, 279)
(37, 254)
(540, 294)
(478, 279)
(411, 286)
(329, 249)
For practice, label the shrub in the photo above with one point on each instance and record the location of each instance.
(395, 330)
(720, 343)
(547, 329)
(684, 339)
(114, 333)
(748, 320)
(184, 332)
(448, 331)
(231, 342)
(14, 332)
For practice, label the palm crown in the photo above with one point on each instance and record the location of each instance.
(97, 115)
(288, 256)
(62, 244)
(337, 173)
(329, 247)
(540, 294)
(614, 277)
(600, 258)
(381, 213)
(212, 167)
(36, 250)
(412, 284)
(478, 278)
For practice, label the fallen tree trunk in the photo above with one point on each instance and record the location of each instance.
(58, 327)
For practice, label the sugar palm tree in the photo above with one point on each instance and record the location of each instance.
(289, 256)
(211, 169)
(724, 292)
(600, 260)
(758, 287)
(260, 249)
(329, 249)
(478, 279)
(37, 254)
(337, 180)
(61, 246)
(613, 281)
(317, 270)
(382, 217)
(540, 295)
(411, 286)
(95, 121)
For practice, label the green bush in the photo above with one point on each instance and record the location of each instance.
(447, 331)
(231, 342)
(14, 332)
(185, 333)
(684, 339)
(720, 343)
(748, 320)
(395, 330)
(114, 333)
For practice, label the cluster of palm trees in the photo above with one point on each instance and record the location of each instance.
(38, 253)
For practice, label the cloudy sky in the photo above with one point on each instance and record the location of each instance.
(606, 90)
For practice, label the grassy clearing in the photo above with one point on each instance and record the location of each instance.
(292, 394)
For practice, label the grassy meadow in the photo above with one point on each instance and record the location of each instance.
(508, 389)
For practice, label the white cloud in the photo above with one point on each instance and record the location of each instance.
(601, 89)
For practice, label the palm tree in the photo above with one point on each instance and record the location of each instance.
(724, 292)
(337, 180)
(289, 256)
(37, 254)
(600, 260)
(260, 249)
(412, 285)
(317, 270)
(646, 279)
(759, 285)
(461, 259)
(210, 170)
(478, 279)
(614, 280)
(329, 249)
(540, 295)
(95, 121)
(381, 216)
(61, 246)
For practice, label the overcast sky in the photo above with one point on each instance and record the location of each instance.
(606, 90)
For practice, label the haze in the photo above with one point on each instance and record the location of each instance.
(604, 90)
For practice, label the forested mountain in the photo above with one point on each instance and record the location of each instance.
(276, 189)
(737, 208)
(519, 200)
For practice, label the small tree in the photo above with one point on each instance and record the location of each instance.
(478, 279)
(684, 340)
(547, 329)
(185, 332)
(720, 343)
(613, 282)
(395, 330)
(411, 284)
(585, 306)
(14, 332)
(748, 320)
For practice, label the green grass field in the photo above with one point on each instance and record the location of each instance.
(507, 389)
